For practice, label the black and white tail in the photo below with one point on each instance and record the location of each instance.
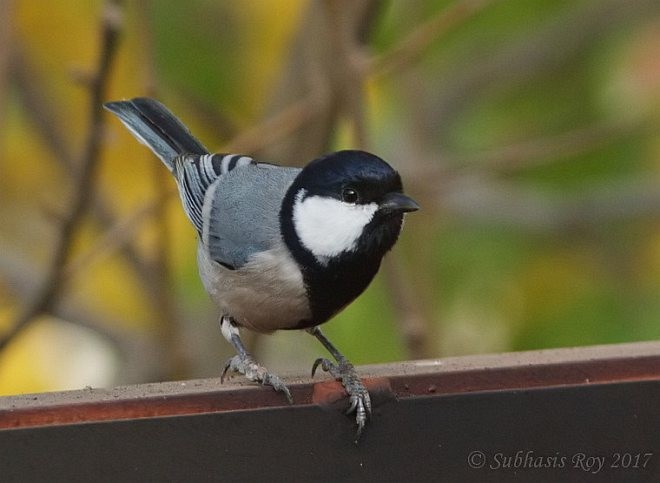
(194, 169)
(156, 127)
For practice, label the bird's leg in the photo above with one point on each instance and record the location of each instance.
(343, 370)
(244, 363)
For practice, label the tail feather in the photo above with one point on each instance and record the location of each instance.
(156, 127)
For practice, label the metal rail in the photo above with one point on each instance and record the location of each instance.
(517, 370)
(585, 414)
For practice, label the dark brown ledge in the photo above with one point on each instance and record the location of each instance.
(430, 418)
(517, 370)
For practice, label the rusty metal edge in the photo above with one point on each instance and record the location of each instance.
(519, 370)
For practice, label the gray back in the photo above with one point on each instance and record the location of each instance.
(244, 212)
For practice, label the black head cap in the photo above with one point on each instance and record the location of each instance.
(367, 174)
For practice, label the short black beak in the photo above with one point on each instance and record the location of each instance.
(398, 202)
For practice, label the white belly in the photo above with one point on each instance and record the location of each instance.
(264, 295)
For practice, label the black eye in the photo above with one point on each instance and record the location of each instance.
(349, 195)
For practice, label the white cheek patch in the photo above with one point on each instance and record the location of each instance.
(327, 226)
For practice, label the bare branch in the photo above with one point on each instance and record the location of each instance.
(40, 109)
(42, 112)
(525, 58)
(6, 51)
(310, 73)
(117, 236)
(140, 359)
(478, 198)
(280, 125)
(537, 152)
(412, 48)
(350, 81)
(411, 319)
(51, 287)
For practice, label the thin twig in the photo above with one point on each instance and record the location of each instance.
(410, 49)
(139, 357)
(51, 287)
(6, 51)
(478, 198)
(117, 236)
(350, 81)
(551, 149)
(41, 110)
(411, 319)
(282, 124)
(525, 59)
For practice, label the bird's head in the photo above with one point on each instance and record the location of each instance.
(344, 205)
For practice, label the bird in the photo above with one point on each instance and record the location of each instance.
(279, 248)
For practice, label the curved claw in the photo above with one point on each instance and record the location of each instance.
(254, 372)
(360, 401)
(225, 369)
(360, 424)
(354, 405)
(316, 364)
(278, 385)
(327, 366)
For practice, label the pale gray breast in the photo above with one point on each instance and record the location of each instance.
(265, 294)
(241, 212)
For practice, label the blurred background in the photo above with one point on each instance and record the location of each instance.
(528, 130)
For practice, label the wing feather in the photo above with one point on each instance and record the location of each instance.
(196, 173)
(241, 212)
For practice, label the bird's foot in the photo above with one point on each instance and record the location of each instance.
(247, 366)
(359, 399)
